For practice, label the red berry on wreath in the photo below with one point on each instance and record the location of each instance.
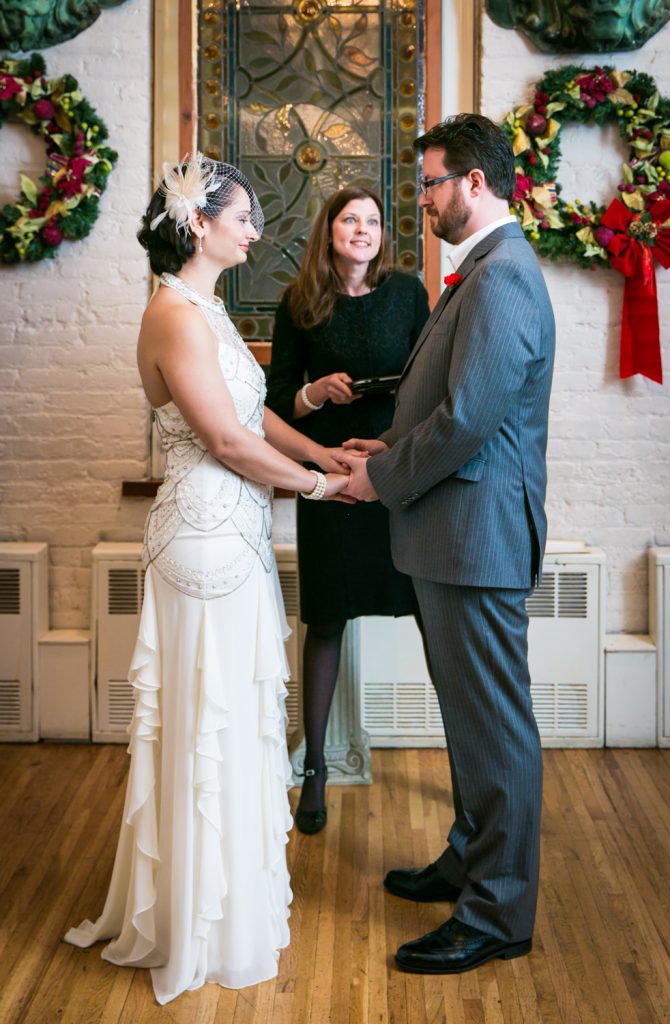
(65, 154)
(52, 235)
(536, 124)
(576, 94)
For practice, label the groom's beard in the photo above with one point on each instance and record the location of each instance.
(450, 223)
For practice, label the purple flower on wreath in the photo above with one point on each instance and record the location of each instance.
(594, 87)
(8, 86)
(70, 183)
(44, 110)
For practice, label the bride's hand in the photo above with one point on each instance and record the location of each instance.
(330, 460)
(335, 486)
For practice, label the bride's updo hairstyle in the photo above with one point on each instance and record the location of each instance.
(198, 184)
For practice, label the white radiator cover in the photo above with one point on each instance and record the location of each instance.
(117, 591)
(659, 630)
(566, 647)
(287, 567)
(118, 587)
(399, 704)
(24, 612)
(566, 659)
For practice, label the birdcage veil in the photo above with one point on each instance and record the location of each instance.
(206, 185)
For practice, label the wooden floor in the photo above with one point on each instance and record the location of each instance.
(602, 942)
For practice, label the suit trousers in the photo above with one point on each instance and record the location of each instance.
(477, 648)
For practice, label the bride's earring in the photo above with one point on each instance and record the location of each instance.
(200, 244)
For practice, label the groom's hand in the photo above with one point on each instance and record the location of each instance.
(370, 446)
(359, 485)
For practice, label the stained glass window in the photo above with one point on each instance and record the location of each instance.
(306, 97)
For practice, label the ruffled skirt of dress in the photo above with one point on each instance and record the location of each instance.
(200, 888)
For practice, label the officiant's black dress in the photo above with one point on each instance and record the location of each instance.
(344, 555)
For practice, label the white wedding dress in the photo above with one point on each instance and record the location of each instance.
(200, 888)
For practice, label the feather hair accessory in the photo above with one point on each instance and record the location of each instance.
(186, 188)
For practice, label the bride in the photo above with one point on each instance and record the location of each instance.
(200, 889)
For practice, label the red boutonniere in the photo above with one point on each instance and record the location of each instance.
(452, 279)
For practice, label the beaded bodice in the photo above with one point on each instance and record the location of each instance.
(199, 493)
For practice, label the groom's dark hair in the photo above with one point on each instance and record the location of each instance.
(472, 140)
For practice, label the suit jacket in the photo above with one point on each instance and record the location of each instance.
(465, 477)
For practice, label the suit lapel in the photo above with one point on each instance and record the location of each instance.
(480, 250)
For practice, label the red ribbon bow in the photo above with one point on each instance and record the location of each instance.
(637, 241)
(452, 279)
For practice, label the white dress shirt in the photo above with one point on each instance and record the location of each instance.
(457, 253)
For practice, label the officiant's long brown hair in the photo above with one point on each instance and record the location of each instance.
(311, 298)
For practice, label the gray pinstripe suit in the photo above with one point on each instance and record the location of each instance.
(464, 481)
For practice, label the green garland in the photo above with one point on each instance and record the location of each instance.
(65, 202)
(573, 230)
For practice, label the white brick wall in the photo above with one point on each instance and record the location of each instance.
(609, 466)
(73, 420)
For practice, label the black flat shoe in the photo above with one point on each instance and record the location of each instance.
(425, 885)
(455, 948)
(310, 822)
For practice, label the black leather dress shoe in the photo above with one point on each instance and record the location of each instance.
(425, 885)
(455, 948)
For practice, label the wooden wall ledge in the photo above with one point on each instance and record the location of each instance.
(148, 487)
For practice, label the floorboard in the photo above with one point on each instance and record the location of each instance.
(601, 946)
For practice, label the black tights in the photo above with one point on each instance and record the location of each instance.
(320, 663)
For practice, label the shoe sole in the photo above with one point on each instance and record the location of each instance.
(510, 953)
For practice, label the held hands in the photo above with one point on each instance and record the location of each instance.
(355, 456)
(336, 488)
(332, 460)
(346, 470)
(359, 485)
(365, 447)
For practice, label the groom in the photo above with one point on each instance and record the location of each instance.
(462, 471)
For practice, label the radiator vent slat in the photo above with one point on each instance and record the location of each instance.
(572, 595)
(125, 591)
(560, 595)
(288, 581)
(561, 707)
(407, 708)
(121, 703)
(542, 602)
(10, 704)
(10, 591)
(378, 706)
(292, 707)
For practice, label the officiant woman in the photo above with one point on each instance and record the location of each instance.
(347, 317)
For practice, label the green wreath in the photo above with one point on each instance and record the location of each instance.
(574, 230)
(65, 202)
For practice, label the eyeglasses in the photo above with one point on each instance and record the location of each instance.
(427, 183)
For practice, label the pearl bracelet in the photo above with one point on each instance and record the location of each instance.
(319, 487)
(309, 405)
